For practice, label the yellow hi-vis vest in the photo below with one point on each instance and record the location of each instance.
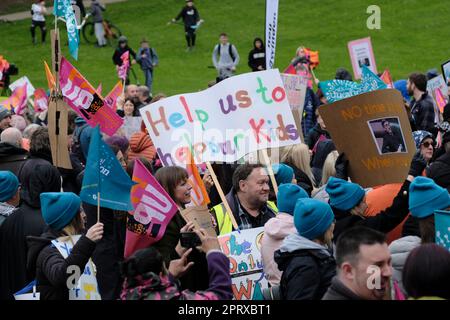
(224, 220)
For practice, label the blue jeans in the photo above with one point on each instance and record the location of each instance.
(148, 73)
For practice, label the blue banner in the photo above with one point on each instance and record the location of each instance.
(442, 226)
(335, 90)
(105, 175)
(63, 8)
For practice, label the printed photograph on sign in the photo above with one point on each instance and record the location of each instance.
(361, 54)
(388, 135)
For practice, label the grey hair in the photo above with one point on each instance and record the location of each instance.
(12, 136)
(145, 91)
(28, 131)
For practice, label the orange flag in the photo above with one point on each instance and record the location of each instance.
(313, 57)
(50, 78)
(199, 195)
(386, 77)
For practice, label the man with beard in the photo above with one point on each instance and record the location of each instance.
(132, 93)
(422, 107)
(248, 200)
(392, 139)
(364, 266)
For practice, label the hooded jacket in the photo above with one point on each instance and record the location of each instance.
(400, 250)
(11, 157)
(50, 267)
(275, 231)
(151, 286)
(141, 146)
(307, 267)
(257, 57)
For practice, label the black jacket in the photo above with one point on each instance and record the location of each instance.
(302, 179)
(11, 157)
(118, 53)
(25, 221)
(337, 291)
(314, 135)
(306, 274)
(51, 267)
(385, 221)
(257, 57)
(324, 148)
(189, 15)
(439, 171)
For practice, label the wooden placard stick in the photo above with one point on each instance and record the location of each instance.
(222, 195)
(57, 113)
(270, 170)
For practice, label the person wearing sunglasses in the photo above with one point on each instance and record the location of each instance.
(425, 143)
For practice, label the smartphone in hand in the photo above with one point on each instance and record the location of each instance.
(189, 240)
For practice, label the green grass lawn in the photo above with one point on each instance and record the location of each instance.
(413, 37)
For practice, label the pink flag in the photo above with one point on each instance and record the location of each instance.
(111, 98)
(17, 101)
(153, 211)
(81, 96)
(440, 100)
(99, 89)
(40, 100)
(386, 77)
(123, 69)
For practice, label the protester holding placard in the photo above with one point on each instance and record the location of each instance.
(348, 201)
(305, 257)
(248, 200)
(174, 180)
(148, 278)
(120, 50)
(61, 212)
(278, 228)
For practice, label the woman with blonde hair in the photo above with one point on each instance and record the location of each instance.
(298, 158)
(328, 170)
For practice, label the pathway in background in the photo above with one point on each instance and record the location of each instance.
(26, 14)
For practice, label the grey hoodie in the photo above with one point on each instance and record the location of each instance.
(294, 242)
(400, 250)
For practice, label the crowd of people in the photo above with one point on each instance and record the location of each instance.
(325, 237)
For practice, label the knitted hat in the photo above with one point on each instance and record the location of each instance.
(344, 195)
(59, 208)
(312, 218)
(4, 113)
(283, 173)
(8, 185)
(419, 136)
(288, 194)
(425, 196)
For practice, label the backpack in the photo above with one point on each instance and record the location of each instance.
(76, 144)
(230, 51)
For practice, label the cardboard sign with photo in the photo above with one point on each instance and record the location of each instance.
(201, 217)
(373, 130)
(446, 71)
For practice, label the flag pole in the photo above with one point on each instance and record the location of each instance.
(222, 195)
(98, 206)
(270, 170)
